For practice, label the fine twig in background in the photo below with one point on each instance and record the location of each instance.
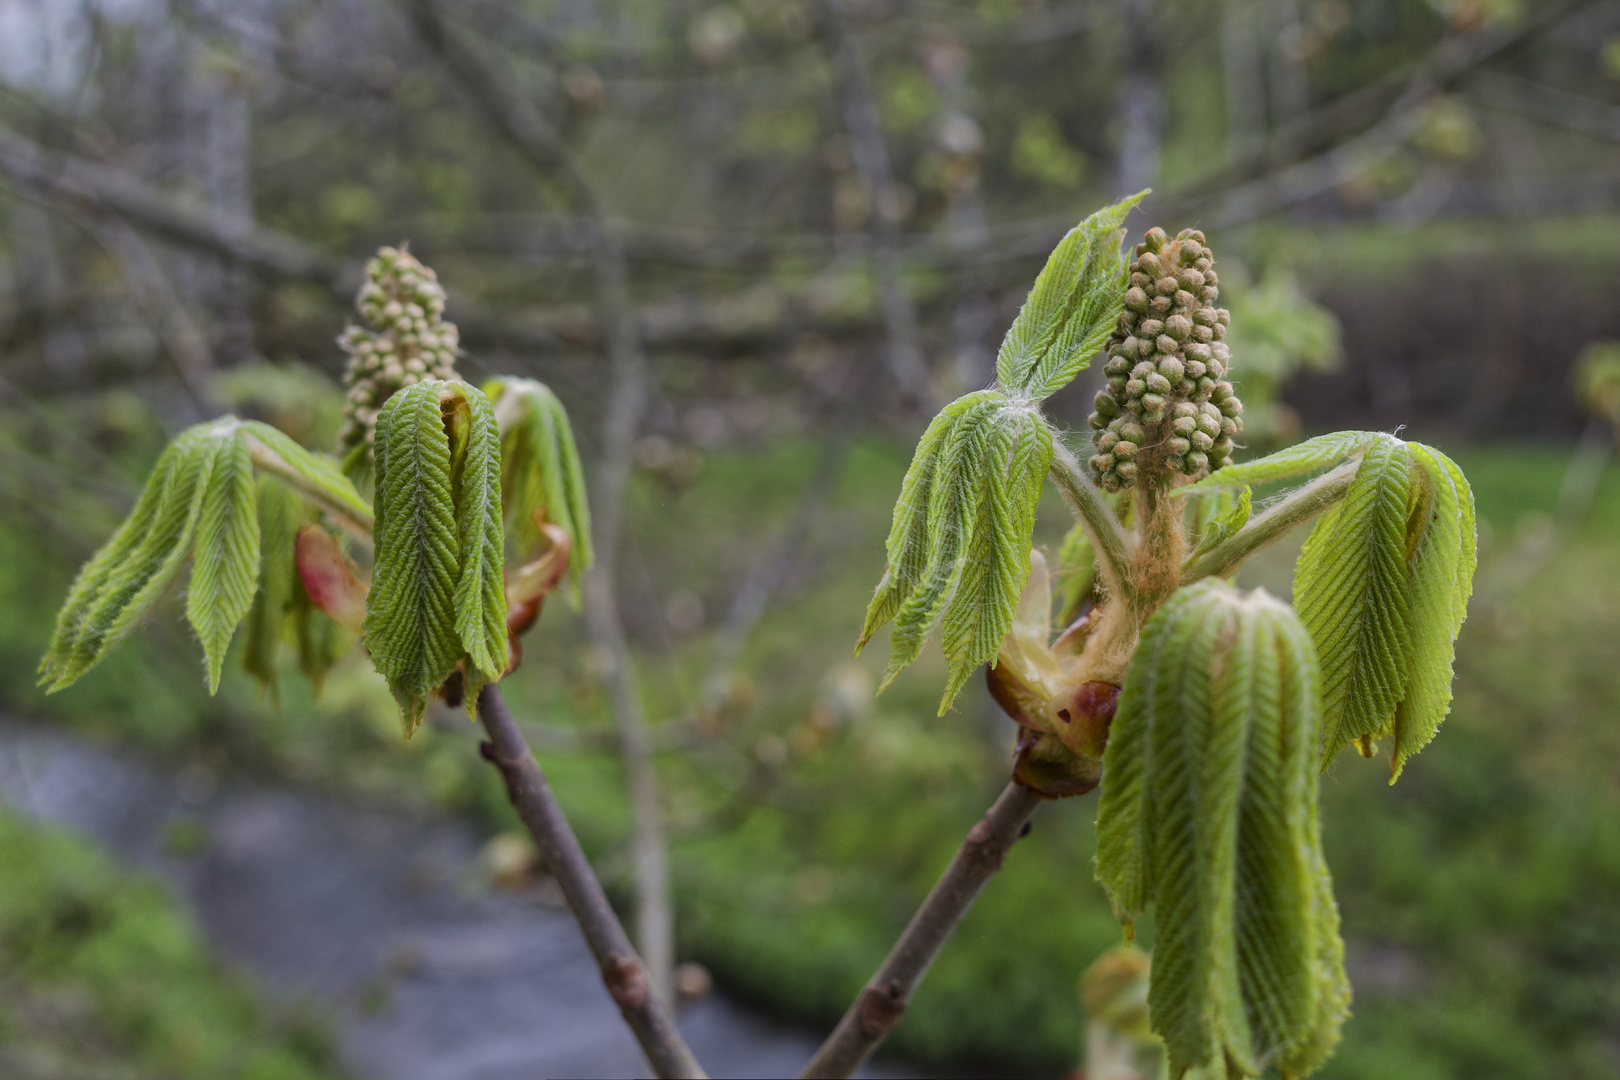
(622, 970)
(165, 312)
(881, 1004)
(854, 86)
(530, 134)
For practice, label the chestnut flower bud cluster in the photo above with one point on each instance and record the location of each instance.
(407, 340)
(1168, 403)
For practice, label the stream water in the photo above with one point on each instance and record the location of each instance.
(378, 920)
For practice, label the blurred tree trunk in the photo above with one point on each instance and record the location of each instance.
(1141, 105)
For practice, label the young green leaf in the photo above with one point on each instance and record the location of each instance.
(1077, 570)
(410, 624)
(124, 579)
(1208, 813)
(1383, 585)
(1071, 309)
(1308, 456)
(1224, 514)
(959, 545)
(1350, 589)
(437, 588)
(1441, 578)
(226, 565)
(281, 514)
(541, 470)
(480, 596)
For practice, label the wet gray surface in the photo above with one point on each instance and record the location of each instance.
(380, 921)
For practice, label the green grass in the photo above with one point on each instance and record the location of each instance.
(1477, 894)
(101, 975)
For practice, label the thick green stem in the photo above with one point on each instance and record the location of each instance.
(1282, 518)
(1093, 512)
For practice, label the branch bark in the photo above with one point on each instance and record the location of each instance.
(622, 970)
(527, 132)
(879, 1006)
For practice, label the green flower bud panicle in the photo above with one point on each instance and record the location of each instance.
(407, 342)
(1168, 405)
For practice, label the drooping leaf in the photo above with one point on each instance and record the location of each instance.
(281, 514)
(1305, 457)
(225, 567)
(1208, 813)
(315, 476)
(410, 623)
(541, 471)
(1071, 309)
(1350, 589)
(329, 578)
(959, 545)
(124, 579)
(480, 596)
(1441, 578)
(201, 503)
(1383, 585)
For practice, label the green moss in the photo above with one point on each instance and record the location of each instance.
(99, 967)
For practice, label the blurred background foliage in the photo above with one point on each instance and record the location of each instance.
(1414, 206)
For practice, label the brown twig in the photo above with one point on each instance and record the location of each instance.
(532, 136)
(879, 1007)
(622, 970)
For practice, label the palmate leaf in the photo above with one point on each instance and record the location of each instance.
(1383, 585)
(1208, 813)
(225, 570)
(959, 544)
(541, 470)
(1077, 567)
(436, 586)
(1071, 309)
(1305, 457)
(201, 504)
(124, 579)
